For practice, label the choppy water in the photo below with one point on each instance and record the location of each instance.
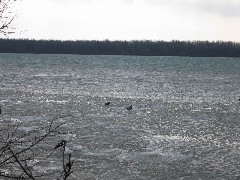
(185, 121)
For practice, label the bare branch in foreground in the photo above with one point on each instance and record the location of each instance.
(26, 152)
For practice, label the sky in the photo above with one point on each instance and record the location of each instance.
(128, 20)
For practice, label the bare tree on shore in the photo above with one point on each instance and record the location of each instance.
(27, 154)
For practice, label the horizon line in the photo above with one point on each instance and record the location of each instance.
(133, 40)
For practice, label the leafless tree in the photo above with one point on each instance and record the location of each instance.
(24, 154)
(6, 17)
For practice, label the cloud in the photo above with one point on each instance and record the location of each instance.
(128, 1)
(227, 8)
(89, 1)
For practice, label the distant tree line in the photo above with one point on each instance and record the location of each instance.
(106, 47)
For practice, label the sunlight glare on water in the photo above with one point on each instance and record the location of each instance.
(184, 123)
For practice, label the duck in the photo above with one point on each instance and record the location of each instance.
(107, 103)
(129, 107)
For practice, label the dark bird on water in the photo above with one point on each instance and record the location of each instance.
(107, 103)
(129, 107)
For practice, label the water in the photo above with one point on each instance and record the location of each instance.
(185, 121)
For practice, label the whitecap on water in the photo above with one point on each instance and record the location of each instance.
(166, 138)
(61, 120)
(77, 148)
(170, 138)
(68, 151)
(19, 102)
(12, 120)
(16, 139)
(64, 126)
(56, 101)
(105, 152)
(31, 118)
(158, 156)
(41, 75)
(26, 129)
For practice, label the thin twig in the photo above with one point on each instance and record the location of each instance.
(29, 174)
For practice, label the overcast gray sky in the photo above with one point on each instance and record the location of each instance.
(129, 19)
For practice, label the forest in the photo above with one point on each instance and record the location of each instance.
(136, 47)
